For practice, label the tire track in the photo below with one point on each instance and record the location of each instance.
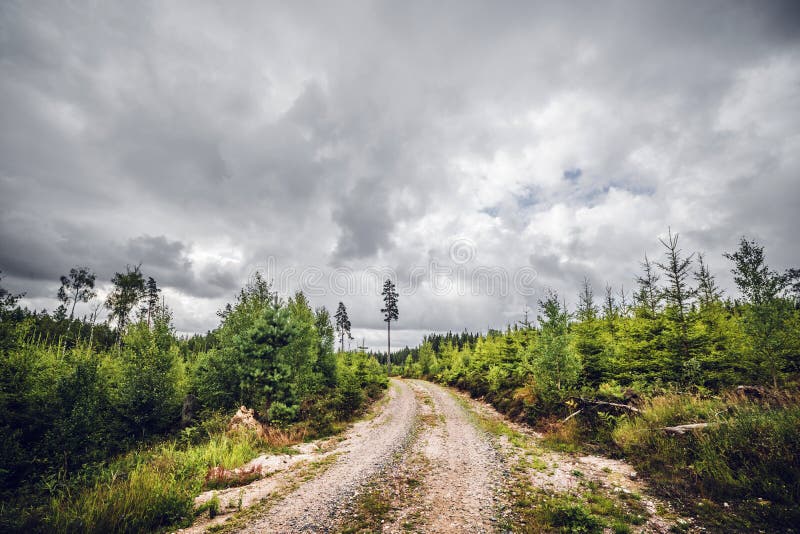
(465, 470)
(319, 504)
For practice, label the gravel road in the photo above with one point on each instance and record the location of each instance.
(434, 470)
(460, 488)
(317, 505)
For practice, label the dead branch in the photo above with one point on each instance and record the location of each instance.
(682, 429)
(617, 405)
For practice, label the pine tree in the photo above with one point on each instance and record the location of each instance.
(390, 314)
(151, 291)
(342, 325)
(707, 290)
(648, 296)
(678, 293)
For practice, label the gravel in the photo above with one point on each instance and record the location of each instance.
(319, 504)
(460, 473)
(465, 471)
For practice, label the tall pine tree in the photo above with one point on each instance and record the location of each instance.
(390, 314)
(342, 325)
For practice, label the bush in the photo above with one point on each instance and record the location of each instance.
(282, 415)
(149, 393)
(749, 451)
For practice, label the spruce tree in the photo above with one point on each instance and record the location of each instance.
(587, 310)
(556, 363)
(707, 290)
(678, 294)
(647, 297)
(587, 336)
(610, 310)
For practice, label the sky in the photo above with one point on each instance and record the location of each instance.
(478, 153)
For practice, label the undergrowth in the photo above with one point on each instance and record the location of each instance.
(149, 488)
(153, 487)
(748, 455)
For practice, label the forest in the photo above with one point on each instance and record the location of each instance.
(697, 388)
(119, 425)
(116, 429)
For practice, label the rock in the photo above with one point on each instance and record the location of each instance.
(245, 419)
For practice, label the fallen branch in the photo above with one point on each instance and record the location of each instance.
(572, 415)
(605, 403)
(683, 429)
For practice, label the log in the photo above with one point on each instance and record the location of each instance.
(683, 429)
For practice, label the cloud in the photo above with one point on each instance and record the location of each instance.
(206, 142)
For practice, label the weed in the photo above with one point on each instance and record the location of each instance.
(620, 527)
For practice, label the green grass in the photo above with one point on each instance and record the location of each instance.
(748, 457)
(373, 507)
(149, 489)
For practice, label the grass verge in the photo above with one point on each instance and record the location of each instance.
(740, 473)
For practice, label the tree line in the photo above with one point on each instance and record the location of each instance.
(677, 327)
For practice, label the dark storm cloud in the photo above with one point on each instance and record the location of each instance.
(365, 220)
(201, 139)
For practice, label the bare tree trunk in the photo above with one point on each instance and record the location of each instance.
(74, 302)
(388, 347)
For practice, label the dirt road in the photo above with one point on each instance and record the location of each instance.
(317, 505)
(460, 487)
(430, 460)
